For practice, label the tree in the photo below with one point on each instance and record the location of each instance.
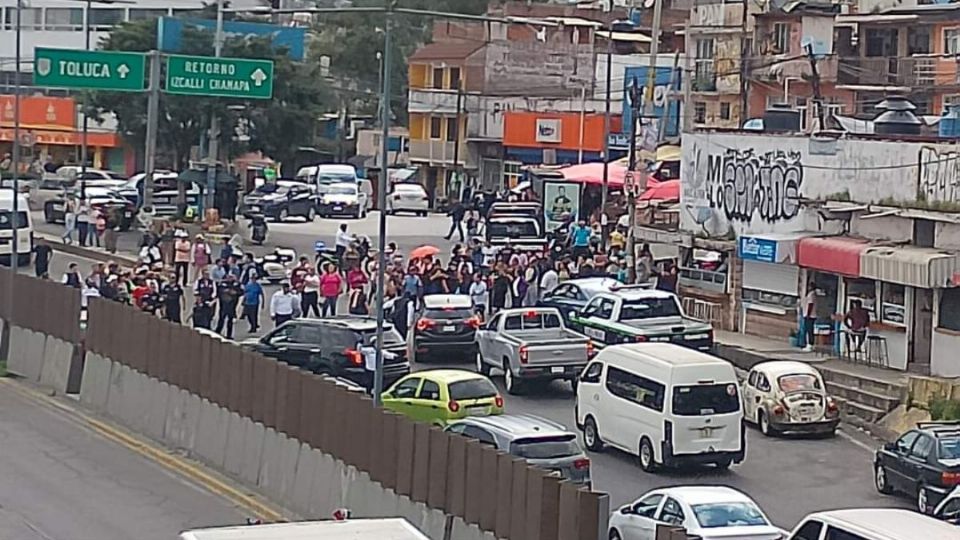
(277, 126)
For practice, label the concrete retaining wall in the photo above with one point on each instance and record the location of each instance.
(57, 357)
(25, 357)
(95, 383)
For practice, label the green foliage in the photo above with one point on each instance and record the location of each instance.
(942, 409)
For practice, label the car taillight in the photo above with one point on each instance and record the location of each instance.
(473, 322)
(524, 354)
(832, 405)
(424, 324)
(778, 410)
(396, 197)
(640, 339)
(582, 463)
(498, 401)
(426, 199)
(453, 406)
(950, 478)
(354, 356)
(590, 349)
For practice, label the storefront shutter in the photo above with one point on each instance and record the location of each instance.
(769, 277)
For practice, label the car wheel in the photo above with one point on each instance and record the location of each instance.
(283, 215)
(764, 424)
(482, 367)
(311, 214)
(923, 501)
(724, 464)
(591, 435)
(647, 460)
(880, 480)
(514, 387)
(614, 534)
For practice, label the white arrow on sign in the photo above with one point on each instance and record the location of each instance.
(258, 77)
(123, 70)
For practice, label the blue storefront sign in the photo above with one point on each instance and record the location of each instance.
(637, 75)
(757, 249)
(170, 34)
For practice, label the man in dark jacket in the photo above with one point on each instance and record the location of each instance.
(456, 213)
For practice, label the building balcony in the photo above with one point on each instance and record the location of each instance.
(777, 68)
(912, 72)
(433, 101)
(436, 151)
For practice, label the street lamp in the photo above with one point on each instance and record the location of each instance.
(15, 215)
(86, 38)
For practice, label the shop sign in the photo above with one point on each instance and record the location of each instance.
(758, 249)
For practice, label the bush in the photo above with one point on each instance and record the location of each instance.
(944, 409)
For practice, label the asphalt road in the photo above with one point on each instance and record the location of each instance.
(788, 477)
(61, 481)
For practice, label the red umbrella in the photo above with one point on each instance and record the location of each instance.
(668, 190)
(423, 252)
(592, 173)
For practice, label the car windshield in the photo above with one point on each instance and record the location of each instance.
(390, 336)
(116, 176)
(513, 229)
(335, 178)
(5, 221)
(649, 308)
(704, 399)
(734, 514)
(532, 320)
(546, 447)
(949, 448)
(798, 382)
(267, 189)
(472, 389)
(342, 190)
(448, 313)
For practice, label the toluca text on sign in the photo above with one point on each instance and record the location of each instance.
(94, 70)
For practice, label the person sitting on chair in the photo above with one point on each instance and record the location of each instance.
(857, 321)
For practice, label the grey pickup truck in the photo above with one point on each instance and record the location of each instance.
(531, 344)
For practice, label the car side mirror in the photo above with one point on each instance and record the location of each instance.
(627, 510)
(572, 313)
(386, 395)
(892, 446)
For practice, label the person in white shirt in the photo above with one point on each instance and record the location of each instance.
(478, 294)
(489, 254)
(310, 298)
(549, 281)
(283, 305)
(369, 353)
(344, 239)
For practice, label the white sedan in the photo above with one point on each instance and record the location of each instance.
(408, 198)
(705, 512)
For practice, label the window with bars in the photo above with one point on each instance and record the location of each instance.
(512, 173)
(64, 19)
(104, 18)
(436, 127)
(32, 18)
(724, 110)
(781, 38)
(951, 40)
(699, 112)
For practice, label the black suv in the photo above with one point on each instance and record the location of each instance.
(923, 463)
(446, 324)
(330, 347)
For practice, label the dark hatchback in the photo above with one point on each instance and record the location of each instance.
(280, 201)
(923, 463)
(446, 325)
(330, 347)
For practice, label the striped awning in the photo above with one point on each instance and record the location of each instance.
(906, 265)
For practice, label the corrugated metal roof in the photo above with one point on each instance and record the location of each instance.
(907, 265)
(446, 50)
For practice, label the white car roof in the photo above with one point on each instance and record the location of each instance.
(693, 495)
(435, 301)
(408, 187)
(337, 168)
(637, 293)
(638, 355)
(346, 185)
(359, 529)
(888, 523)
(775, 368)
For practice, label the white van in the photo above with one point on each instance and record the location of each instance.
(324, 176)
(24, 228)
(356, 529)
(872, 524)
(667, 404)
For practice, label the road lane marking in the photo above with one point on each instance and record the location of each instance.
(854, 441)
(165, 459)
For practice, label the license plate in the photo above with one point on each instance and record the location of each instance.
(58, 207)
(556, 370)
(806, 411)
(128, 214)
(804, 419)
(449, 328)
(338, 208)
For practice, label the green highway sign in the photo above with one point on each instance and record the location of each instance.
(223, 77)
(98, 70)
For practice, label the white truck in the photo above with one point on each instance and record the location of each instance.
(531, 344)
(357, 529)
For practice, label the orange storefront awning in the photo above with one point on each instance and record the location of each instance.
(61, 137)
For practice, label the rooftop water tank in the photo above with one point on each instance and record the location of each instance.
(781, 118)
(950, 122)
(897, 118)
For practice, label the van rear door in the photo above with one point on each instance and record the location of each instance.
(707, 418)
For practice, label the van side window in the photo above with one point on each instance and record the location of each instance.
(639, 390)
(592, 373)
(834, 533)
(809, 531)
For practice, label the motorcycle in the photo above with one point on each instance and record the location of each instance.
(258, 229)
(278, 265)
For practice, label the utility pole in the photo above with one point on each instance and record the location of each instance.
(382, 201)
(668, 97)
(83, 136)
(583, 113)
(686, 112)
(455, 174)
(153, 117)
(15, 217)
(213, 141)
(632, 187)
(606, 138)
(815, 81)
(744, 68)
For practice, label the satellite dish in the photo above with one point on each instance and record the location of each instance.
(649, 3)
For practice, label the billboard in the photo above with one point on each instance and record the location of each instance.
(561, 204)
(638, 75)
(170, 34)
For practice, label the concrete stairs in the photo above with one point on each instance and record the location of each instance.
(862, 398)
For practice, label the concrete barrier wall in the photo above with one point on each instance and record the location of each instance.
(308, 482)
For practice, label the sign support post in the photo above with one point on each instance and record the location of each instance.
(153, 113)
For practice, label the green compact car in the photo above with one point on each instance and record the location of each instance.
(441, 396)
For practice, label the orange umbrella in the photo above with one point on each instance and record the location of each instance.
(423, 252)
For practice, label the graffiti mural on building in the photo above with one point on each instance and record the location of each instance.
(939, 175)
(744, 184)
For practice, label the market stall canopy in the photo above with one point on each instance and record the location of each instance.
(668, 190)
(836, 254)
(592, 173)
(926, 268)
(199, 177)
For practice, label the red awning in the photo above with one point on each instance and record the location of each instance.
(838, 254)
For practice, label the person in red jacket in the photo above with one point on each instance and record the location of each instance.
(331, 285)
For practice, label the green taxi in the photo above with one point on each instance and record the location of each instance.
(441, 396)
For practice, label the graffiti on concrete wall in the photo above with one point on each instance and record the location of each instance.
(745, 184)
(939, 175)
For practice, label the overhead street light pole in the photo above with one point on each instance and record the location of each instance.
(382, 203)
(213, 141)
(15, 215)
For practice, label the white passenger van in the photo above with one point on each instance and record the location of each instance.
(322, 177)
(356, 529)
(24, 228)
(873, 524)
(667, 404)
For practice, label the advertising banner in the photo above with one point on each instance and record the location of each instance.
(561, 204)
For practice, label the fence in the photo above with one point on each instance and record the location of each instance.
(496, 492)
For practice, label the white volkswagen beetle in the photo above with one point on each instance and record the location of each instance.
(781, 396)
